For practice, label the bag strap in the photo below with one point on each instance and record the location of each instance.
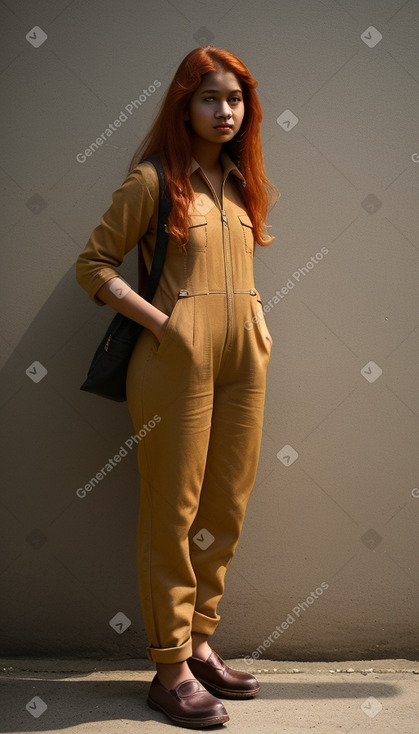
(162, 236)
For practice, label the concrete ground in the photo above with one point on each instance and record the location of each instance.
(91, 696)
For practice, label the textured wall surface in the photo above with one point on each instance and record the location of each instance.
(327, 565)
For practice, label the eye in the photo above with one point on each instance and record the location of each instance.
(235, 100)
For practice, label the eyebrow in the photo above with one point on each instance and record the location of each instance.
(233, 91)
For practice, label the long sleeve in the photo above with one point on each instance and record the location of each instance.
(121, 227)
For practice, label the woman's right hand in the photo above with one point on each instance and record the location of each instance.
(118, 294)
(160, 329)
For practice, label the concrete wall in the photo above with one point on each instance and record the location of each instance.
(327, 565)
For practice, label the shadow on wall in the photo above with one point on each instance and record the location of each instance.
(68, 572)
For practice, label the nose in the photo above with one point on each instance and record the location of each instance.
(223, 109)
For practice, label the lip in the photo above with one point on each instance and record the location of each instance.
(225, 128)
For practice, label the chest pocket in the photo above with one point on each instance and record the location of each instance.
(198, 232)
(247, 230)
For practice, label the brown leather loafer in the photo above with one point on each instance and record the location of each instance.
(188, 705)
(218, 677)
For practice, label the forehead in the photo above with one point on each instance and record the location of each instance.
(220, 79)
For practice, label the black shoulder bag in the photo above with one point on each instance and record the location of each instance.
(108, 371)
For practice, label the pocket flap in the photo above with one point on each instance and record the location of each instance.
(246, 220)
(196, 220)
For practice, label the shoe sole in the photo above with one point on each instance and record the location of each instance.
(189, 723)
(227, 693)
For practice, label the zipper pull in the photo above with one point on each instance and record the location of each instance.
(224, 216)
(108, 341)
(183, 293)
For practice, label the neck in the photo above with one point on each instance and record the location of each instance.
(207, 154)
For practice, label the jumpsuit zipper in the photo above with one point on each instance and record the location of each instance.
(227, 262)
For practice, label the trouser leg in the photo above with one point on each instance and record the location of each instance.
(172, 461)
(230, 474)
(167, 580)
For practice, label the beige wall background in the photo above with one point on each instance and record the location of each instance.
(327, 566)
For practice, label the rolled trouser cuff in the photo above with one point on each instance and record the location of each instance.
(170, 654)
(203, 624)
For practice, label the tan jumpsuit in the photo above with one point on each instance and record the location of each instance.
(206, 382)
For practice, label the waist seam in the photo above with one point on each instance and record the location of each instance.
(184, 293)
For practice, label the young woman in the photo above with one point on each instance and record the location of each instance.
(198, 370)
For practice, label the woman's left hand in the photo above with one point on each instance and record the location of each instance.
(265, 333)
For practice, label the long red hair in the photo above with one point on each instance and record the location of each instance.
(172, 140)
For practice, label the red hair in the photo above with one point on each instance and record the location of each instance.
(172, 139)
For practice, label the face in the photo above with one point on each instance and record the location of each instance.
(216, 109)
